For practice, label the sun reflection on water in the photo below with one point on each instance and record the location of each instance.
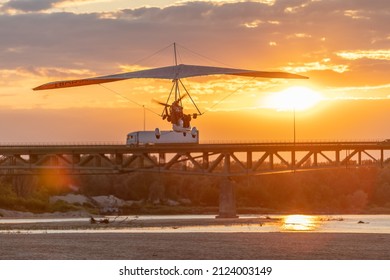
(299, 223)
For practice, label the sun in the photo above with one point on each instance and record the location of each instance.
(293, 98)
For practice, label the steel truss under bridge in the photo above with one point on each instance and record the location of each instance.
(201, 159)
(224, 160)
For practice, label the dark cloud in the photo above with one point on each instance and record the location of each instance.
(29, 5)
(237, 33)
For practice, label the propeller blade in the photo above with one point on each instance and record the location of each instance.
(181, 97)
(161, 103)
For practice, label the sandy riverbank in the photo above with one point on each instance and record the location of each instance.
(198, 246)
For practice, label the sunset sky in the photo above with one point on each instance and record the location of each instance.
(343, 46)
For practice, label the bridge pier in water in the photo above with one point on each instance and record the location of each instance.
(227, 199)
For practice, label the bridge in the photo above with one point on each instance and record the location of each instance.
(223, 160)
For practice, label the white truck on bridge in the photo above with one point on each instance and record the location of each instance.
(162, 137)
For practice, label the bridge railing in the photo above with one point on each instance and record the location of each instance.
(51, 144)
(290, 141)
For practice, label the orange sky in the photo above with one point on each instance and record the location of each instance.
(343, 46)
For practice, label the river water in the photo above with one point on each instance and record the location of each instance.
(276, 223)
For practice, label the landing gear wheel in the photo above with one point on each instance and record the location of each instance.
(157, 133)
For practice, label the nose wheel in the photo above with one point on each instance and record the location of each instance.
(157, 133)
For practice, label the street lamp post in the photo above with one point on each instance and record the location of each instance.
(293, 153)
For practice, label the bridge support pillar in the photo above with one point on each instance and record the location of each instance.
(227, 199)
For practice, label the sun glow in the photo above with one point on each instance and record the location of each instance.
(299, 223)
(293, 98)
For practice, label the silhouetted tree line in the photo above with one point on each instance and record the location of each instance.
(348, 190)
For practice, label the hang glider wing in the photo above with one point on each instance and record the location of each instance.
(170, 73)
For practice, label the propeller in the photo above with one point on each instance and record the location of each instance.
(165, 113)
(166, 104)
(181, 97)
(161, 103)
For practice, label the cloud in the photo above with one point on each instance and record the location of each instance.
(325, 64)
(26, 6)
(29, 5)
(370, 54)
(263, 35)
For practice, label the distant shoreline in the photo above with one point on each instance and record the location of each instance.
(7, 214)
(4, 213)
